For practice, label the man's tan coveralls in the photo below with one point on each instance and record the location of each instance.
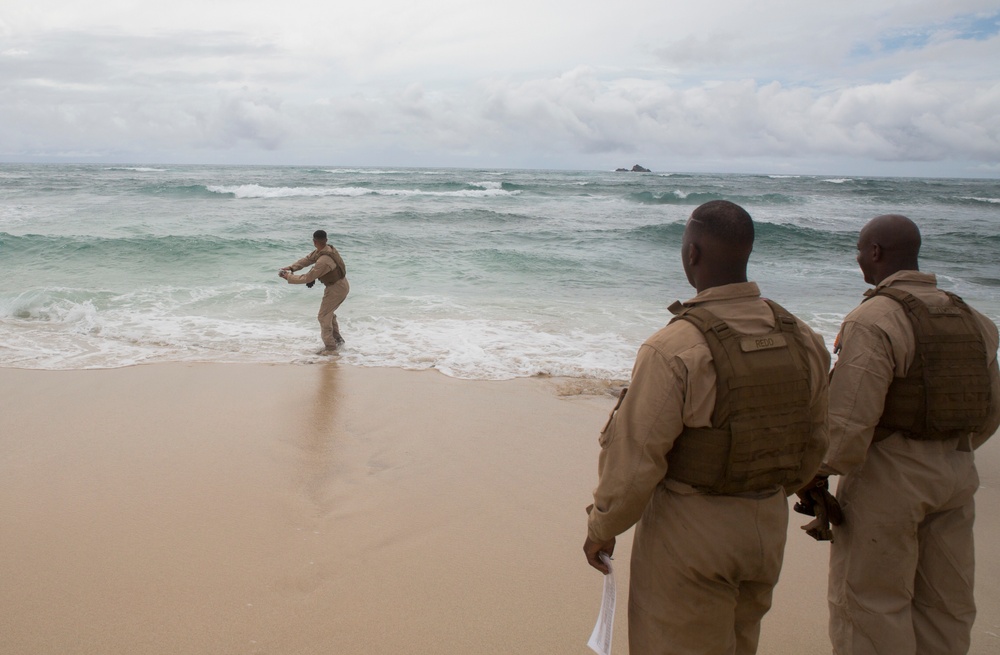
(703, 566)
(328, 268)
(901, 565)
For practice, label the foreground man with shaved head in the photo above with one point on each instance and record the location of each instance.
(914, 391)
(724, 418)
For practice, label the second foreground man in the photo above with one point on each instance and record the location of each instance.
(724, 418)
(915, 390)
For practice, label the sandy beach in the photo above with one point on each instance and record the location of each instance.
(244, 508)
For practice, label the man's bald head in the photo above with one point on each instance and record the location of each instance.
(888, 244)
(725, 222)
(717, 243)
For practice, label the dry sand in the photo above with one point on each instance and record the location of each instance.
(195, 509)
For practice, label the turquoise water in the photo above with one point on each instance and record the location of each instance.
(479, 273)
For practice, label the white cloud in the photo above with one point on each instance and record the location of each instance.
(579, 84)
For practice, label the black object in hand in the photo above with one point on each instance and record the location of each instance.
(820, 503)
(310, 284)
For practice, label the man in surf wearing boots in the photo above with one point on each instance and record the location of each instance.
(724, 418)
(327, 267)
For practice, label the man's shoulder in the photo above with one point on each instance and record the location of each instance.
(675, 338)
(874, 309)
(809, 338)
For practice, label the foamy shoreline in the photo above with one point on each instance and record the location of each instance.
(253, 508)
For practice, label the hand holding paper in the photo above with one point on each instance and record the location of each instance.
(600, 638)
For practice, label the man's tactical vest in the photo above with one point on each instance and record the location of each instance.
(337, 274)
(761, 423)
(946, 391)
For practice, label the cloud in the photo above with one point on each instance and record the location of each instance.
(572, 84)
(912, 118)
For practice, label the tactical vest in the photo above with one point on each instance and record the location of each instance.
(337, 274)
(761, 423)
(946, 391)
(334, 276)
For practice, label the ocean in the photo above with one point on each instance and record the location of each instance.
(482, 274)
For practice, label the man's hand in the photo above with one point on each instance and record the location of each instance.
(592, 549)
(806, 504)
(284, 273)
(816, 500)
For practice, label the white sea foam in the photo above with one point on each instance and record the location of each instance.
(838, 180)
(13, 215)
(992, 201)
(486, 349)
(66, 335)
(81, 336)
(489, 184)
(69, 335)
(258, 191)
(137, 169)
(375, 171)
(61, 328)
(363, 171)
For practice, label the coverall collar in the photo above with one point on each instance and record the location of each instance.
(725, 293)
(909, 277)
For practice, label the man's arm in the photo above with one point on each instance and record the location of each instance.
(319, 269)
(635, 444)
(308, 260)
(858, 387)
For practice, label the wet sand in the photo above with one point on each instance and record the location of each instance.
(224, 508)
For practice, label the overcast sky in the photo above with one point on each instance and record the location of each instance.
(910, 87)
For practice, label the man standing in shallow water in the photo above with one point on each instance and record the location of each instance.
(725, 417)
(328, 268)
(915, 390)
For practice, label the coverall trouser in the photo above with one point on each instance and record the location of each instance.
(703, 569)
(902, 565)
(333, 296)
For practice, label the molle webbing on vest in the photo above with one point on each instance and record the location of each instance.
(337, 273)
(946, 391)
(334, 276)
(761, 422)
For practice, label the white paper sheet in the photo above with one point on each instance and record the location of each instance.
(600, 638)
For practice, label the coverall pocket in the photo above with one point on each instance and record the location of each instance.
(607, 432)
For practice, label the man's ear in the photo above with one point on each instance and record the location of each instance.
(876, 252)
(693, 254)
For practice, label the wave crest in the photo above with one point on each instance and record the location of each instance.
(243, 191)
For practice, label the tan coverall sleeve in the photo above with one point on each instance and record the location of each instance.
(319, 269)
(635, 443)
(308, 260)
(858, 387)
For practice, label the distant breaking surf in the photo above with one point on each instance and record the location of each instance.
(258, 191)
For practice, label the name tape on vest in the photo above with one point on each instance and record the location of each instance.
(765, 342)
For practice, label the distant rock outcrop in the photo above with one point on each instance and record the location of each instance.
(635, 169)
